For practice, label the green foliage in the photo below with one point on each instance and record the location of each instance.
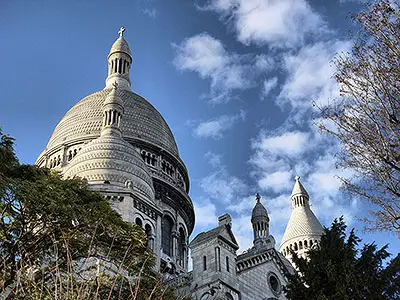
(336, 269)
(58, 239)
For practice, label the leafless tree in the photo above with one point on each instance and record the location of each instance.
(366, 116)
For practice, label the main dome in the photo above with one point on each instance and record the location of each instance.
(141, 122)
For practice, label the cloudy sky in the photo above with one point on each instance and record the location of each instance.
(235, 80)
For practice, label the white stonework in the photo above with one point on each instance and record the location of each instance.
(118, 142)
(121, 145)
(303, 230)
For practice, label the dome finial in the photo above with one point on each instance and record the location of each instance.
(121, 31)
(297, 178)
(258, 197)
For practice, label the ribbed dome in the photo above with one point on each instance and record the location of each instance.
(111, 160)
(141, 122)
(120, 45)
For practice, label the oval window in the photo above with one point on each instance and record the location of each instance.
(274, 283)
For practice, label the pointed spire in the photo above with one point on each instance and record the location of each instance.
(119, 63)
(298, 188)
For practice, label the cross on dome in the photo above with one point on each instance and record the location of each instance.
(121, 31)
(297, 177)
(258, 197)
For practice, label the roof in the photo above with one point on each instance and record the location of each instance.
(302, 222)
(120, 45)
(224, 232)
(259, 211)
(141, 122)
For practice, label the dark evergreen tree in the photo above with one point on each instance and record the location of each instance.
(337, 269)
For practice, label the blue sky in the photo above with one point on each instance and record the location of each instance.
(235, 80)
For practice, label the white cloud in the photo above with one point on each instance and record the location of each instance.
(268, 86)
(244, 205)
(222, 187)
(213, 159)
(216, 127)
(310, 75)
(241, 227)
(151, 12)
(293, 143)
(277, 181)
(207, 56)
(205, 215)
(279, 23)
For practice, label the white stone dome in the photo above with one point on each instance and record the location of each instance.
(141, 122)
(109, 160)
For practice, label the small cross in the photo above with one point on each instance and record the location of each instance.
(258, 197)
(115, 85)
(121, 31)
(297, 177)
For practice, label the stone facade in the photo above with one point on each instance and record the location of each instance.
(118, 142)
(260, 272)
(121, 145)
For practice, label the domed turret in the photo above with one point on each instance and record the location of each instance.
(119, 63)
(303, 229)
(260, 222)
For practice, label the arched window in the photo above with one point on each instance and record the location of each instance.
(120, 66)
(144, 155)
(204, 263)
(153, 160)
(295, 247)
(300, 245)
(181, 246)
(228, 296)
(166, 235)
(139, 222)
(227, 264)
(147, 229)
(305, 244)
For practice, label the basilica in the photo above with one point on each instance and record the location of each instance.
(121, 145)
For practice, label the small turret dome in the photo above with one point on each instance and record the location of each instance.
(259, 210)
(120, 45)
